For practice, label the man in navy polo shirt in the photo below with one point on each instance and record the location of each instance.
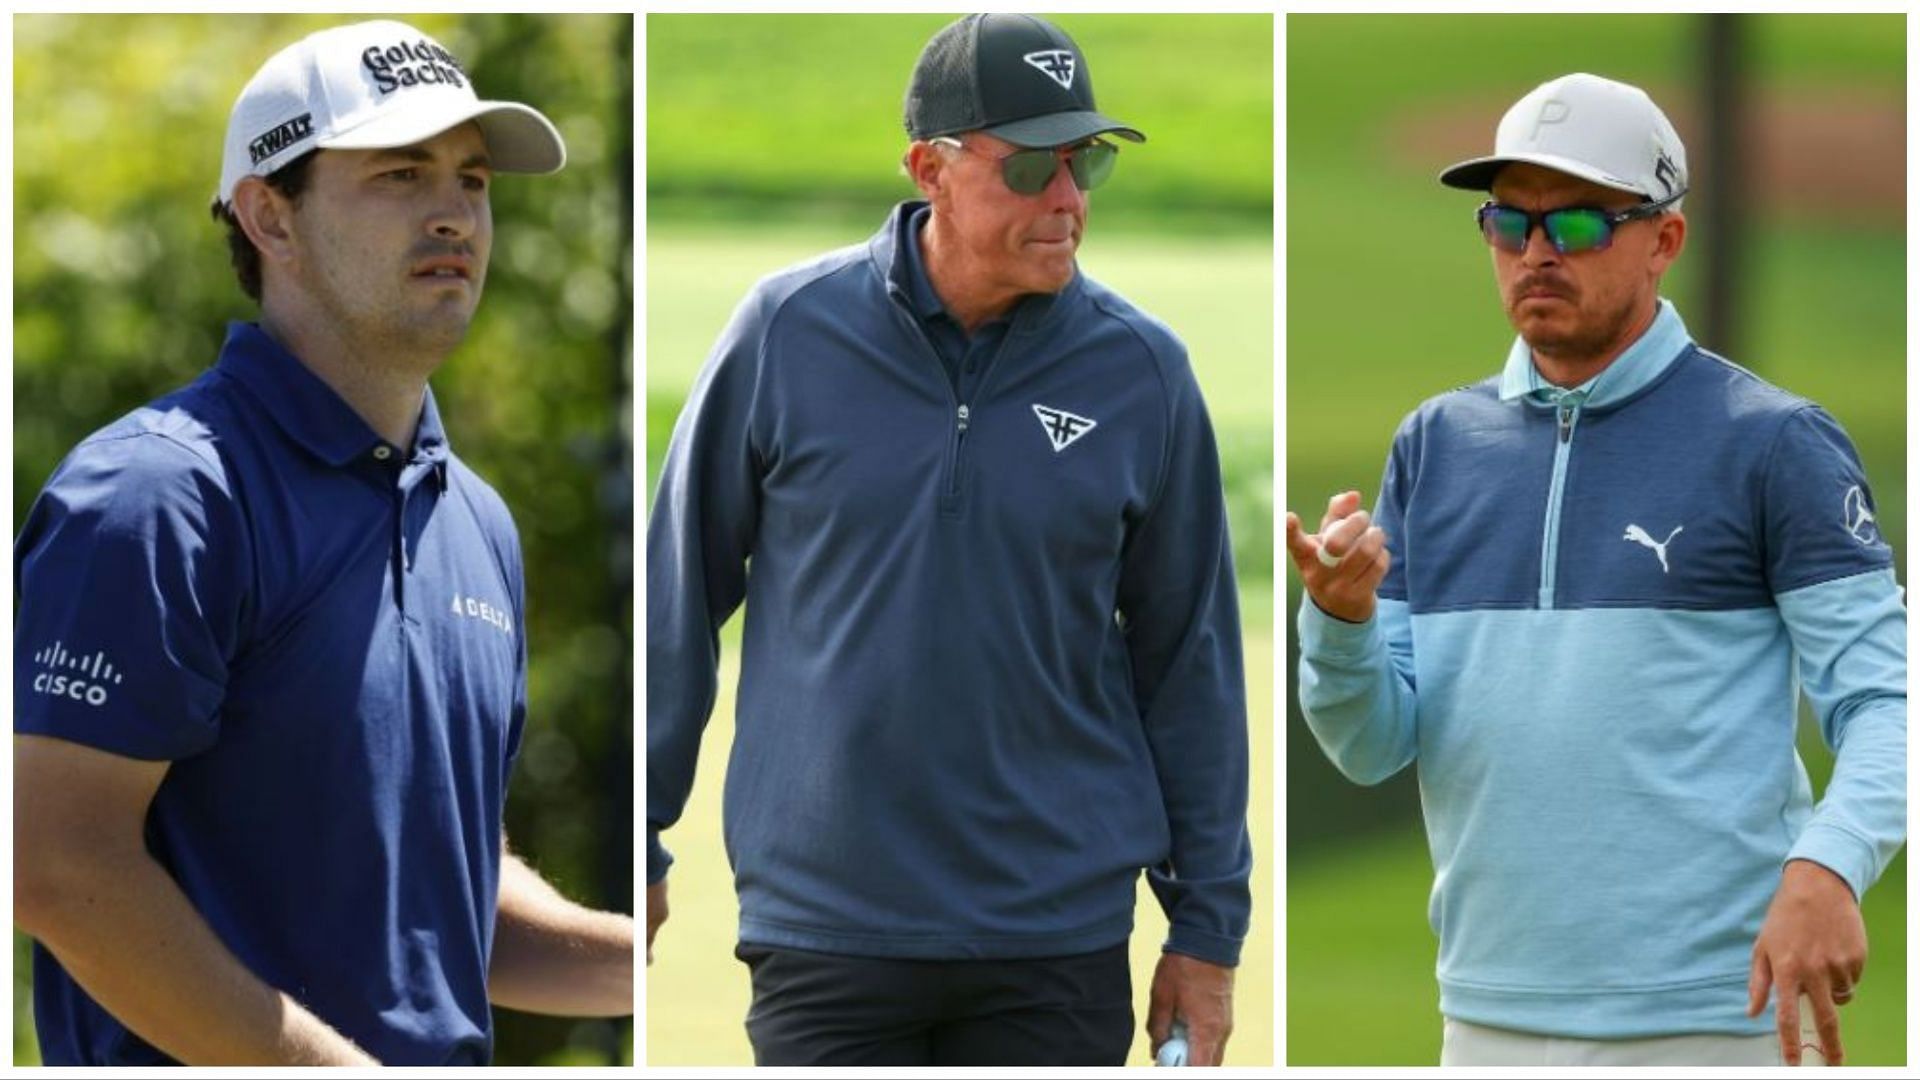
(270, 669)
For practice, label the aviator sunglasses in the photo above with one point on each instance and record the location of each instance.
(1028, 172)
(1569, 229)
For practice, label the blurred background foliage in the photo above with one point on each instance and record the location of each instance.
(1390, 300)
(774, 138)
(122, 291)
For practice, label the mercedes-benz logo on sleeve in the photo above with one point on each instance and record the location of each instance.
(1858, 518)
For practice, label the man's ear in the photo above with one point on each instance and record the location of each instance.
(266, 216)
(1669, 241)
(927, 166)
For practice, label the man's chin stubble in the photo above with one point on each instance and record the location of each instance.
(1567, 344)
(431, 337)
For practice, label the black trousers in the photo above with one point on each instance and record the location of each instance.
(819, 1009)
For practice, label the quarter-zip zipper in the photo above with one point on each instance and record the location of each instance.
(949, 468)
(955, 465)
(961, 416)
(1567, 417)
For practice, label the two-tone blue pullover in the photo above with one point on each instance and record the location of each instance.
(1603, 606)
(991, 663)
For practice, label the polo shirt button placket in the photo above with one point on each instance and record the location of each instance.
(970, 369)
(414, 490)
(383, 454)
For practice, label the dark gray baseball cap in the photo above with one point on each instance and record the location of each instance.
(1016, 77)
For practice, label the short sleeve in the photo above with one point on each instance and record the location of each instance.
(1820, 513)
(129, 574)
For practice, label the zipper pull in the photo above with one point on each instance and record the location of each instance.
(1569, 403)
(963, 419)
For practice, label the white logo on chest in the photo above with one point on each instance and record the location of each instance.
(1062, 427)
(1659, 547)
(468, 608)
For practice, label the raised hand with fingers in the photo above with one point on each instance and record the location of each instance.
(1343, 563)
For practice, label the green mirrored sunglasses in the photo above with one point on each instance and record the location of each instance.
(1028, 172)
(1569, 229)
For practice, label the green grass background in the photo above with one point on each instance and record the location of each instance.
(779, 116)
(774, 138)
(1390, 300)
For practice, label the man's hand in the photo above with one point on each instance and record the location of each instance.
(1813, 943)
(656, 913)
(1200, 994)
(1357, 550)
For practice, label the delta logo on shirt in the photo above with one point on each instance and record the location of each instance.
(497, 617)
(82, 678)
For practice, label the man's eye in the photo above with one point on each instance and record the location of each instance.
(475, 183)
(408, 173)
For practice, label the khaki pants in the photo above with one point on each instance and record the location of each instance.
(1473, 1044)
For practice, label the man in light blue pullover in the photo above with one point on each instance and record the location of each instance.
(1586, 603)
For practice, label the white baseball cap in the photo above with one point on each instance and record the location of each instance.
(1596, 129)
(370, 86)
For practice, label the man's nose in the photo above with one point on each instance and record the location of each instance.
(455, 214)
(1539, 250)
(1061, 191)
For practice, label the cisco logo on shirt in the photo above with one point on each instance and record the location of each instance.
(82, 678)
(497, 617)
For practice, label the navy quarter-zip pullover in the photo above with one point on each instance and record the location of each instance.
(991, 665)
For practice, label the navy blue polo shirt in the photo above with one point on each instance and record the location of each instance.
(323, 634)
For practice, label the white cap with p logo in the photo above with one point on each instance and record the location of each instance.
(1596, 129)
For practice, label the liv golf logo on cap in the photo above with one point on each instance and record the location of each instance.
(417, 63)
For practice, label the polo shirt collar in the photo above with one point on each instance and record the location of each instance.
(309, 410)
(1642, 362)
(919, 289)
